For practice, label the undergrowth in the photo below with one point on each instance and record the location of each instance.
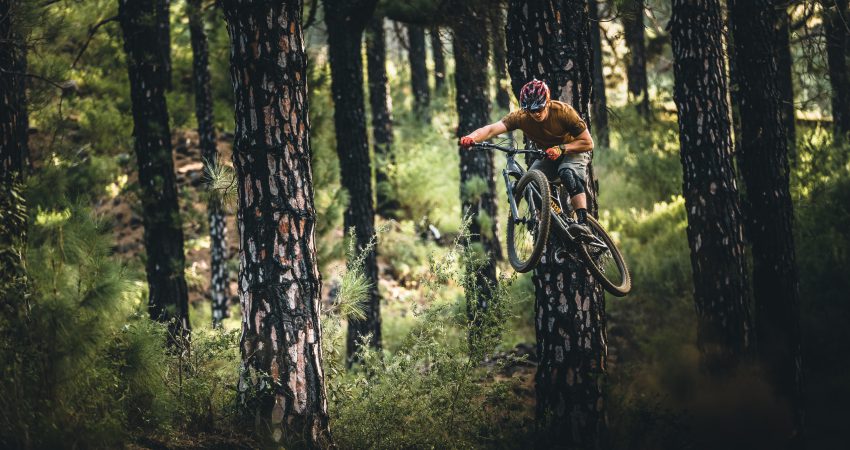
(434, 389)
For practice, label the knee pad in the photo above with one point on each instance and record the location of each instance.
(573, 183)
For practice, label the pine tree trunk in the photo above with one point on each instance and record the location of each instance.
(418, 69)
(711, 195)
(282, 385)
(835, 23)
(763, 159)
(143, 22)
(439, 59)
(14, 150)
(473, 110)
(636, 60)
(551, 41)
(382, 121)
(209, 153)
(497, 30)
(346, 20)
(599, 103)
(783, 74)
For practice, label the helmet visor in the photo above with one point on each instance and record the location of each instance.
(534, 106)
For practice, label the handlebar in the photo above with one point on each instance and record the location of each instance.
(509, 150)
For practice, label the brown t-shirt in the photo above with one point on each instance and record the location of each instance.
(561, 126)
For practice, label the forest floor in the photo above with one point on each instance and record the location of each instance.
(121, 211)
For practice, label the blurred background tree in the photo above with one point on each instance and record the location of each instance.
(83, 364)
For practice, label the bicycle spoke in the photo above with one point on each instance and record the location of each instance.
(526, 225)
(525, 230)
(604, 258)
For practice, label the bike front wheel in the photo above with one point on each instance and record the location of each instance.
(604, 260)
(528, 232)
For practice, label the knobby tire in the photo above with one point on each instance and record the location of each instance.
(536, 179)
(618, 289)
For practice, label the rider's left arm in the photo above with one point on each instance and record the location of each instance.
(582, 143)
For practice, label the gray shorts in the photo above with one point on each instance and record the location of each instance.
(576, 161)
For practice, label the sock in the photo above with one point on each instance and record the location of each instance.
(581, 215)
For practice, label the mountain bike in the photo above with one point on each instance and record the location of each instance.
(535, 212)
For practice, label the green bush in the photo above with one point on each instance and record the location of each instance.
(431, 391)
(425, 176)
(407, 252)
(82, 365)
(60, 383)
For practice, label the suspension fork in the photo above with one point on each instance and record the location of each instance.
(509, 185)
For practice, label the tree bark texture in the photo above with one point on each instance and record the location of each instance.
(500, 65)
(439, 58)
(836, 21)
(142, 22)
(209, 153)
(599, 104)
(418, 69)
(382, 121)
(473, 109)
(782, 33)
(763, 159)
(715, 225)
(551, 41)
(632, 17)
(14, 151)
(346, 20)
(540, 46)
(282, 381)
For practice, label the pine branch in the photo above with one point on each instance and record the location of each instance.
(92, 30)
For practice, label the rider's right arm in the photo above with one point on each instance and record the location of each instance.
(488, 131)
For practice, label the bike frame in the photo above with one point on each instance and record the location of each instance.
(514, 169)
(512, 174)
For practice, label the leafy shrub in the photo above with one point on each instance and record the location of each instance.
(425, 176)
(60, 382)
(407, 252)
(83, 366)
(432, 390)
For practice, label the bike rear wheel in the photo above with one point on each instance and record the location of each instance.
(605, 262)
(528, 233)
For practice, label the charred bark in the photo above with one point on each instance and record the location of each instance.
(715, 224)
(500, 64)
(599, 103)
(148, 67)
(632, 17)
(209, 153)
(473, 109)
(346, 21)
(14, 149)
(439, 59)
(835, 23)
(382, 121)
(763, 159)
(542, 44)
(418, 69)
(783, 74)
(551, 41)
(281, 385)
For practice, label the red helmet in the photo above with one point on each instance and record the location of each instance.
(533, 95)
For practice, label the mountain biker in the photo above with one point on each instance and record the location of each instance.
(556, 127)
